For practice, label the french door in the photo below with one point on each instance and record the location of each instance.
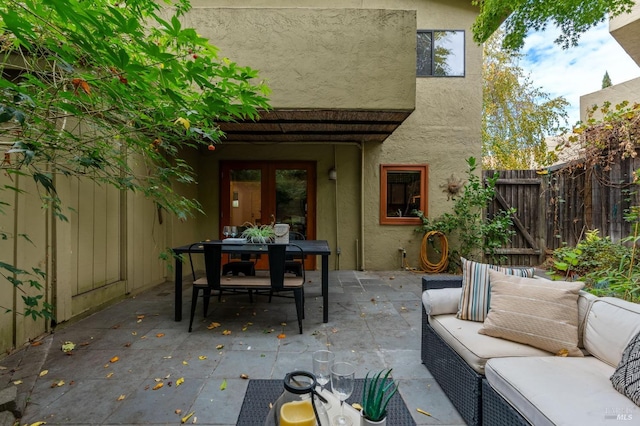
(260, 193)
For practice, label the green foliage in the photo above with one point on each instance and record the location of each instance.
(258, 233)
(606, 80)
(376, 394)
(572, 17)
(112, 91)
(607, 268)
(517, 116)
(466, 224)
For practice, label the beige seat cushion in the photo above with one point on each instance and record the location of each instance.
(560, 390)
(476, 348)
(536, 312)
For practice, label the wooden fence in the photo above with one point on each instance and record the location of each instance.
(557, 206)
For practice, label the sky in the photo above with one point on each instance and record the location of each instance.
(578, 70)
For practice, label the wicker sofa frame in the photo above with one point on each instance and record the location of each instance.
(469, 392)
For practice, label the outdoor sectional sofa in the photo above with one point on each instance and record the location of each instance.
(493, 381)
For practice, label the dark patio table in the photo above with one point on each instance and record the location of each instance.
(309, 247)
(261, 392)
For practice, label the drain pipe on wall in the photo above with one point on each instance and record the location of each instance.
(361, 251)
(337, 212)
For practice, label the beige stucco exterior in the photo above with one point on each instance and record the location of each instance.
(334, 54)
(625, 29)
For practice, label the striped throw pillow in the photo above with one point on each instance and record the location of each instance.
(476, 288)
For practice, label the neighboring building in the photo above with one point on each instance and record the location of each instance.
(626, 30)
(354, 143)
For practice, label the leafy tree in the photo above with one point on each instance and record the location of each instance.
(572, 17)
(94, 89)
(517, 116)
(606, 80)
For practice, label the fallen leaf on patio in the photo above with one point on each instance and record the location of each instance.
(283, 324)
(226, 332)
(140, 317)
(223, 386)
(57, 384)
(146, 387)
(116, 326)
(167, 376)
(392, 278)
(185, 363)
(126, 345)
(195, 420)
(139, 321)
(213, 325)
(121, 397)
(187, 417)
(158, 379)
(219, 347)
(17, 382)
(423, 412)
(167, 357)
(38, 424)
(402, 308)
(143, 337)
(106, 366)
(179, 381)
(158, 386)
(178, 411)
(244, 376)
(110, 375)
(202, 357)
(160, 335)
(362, 315)
(38, 343)
(334, 330)
(244, 328)
(68, 346)
(281, 336)
(563, 352)
(114, 359)
(43, 373)
(373, 300)
(356, 406)
(2, 367)
(134, 333)
(72, 383)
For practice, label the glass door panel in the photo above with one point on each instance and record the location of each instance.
(245, 192)
(269, 192)
(291, 200)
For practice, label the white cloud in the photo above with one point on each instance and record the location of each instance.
(578, 70)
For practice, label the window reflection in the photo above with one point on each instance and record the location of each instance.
(440, 53)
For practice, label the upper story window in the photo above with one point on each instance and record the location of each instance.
(403, 190)
(440, 53)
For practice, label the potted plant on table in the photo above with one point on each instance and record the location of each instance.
(258, 233)
(378, 391)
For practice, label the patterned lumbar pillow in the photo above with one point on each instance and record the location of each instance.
(475, 297)
(626, 378)
(537, 312)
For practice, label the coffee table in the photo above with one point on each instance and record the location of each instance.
(262, 392)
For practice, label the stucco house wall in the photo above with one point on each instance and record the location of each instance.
(363, 59)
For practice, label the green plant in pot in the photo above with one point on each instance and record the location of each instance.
(258, 233)
(378, 391)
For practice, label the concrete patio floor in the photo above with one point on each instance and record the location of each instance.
(374, 322)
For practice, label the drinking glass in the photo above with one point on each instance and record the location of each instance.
(322, 363)
(342, 379)
(226, 231)
(234, 231)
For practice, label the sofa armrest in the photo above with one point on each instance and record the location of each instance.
(435, 281)
(441, 301)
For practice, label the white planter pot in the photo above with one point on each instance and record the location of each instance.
(366, 422)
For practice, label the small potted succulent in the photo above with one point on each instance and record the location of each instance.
(258, 233)
(378, 391)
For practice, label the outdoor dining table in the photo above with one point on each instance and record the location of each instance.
(309, 247)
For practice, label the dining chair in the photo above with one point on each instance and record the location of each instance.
(294, 264)
(281, 281)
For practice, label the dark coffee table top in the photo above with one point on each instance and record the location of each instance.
(260, 393)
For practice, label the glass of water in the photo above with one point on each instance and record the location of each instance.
(322, 363)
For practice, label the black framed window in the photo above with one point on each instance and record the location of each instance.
(440, 53)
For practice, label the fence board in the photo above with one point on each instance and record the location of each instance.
(558, 207)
